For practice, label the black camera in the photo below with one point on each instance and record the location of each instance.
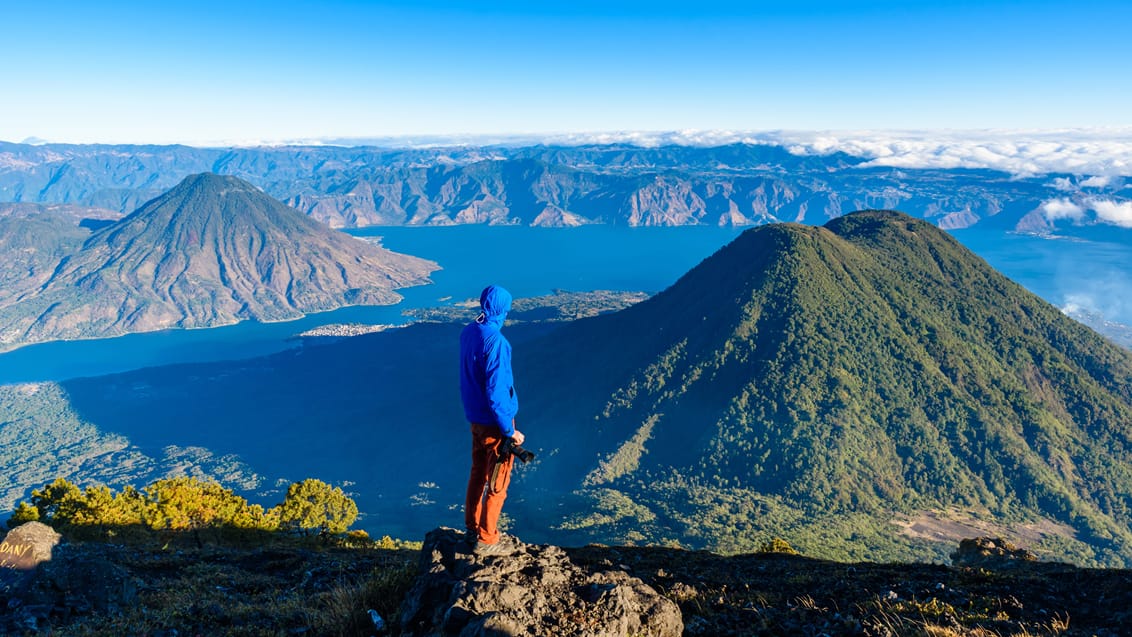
(510, 447)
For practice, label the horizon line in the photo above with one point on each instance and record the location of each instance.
(705, 137)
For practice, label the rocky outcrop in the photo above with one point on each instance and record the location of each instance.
(990, 552)
(532, 590)
(40, 580)
(27, 546)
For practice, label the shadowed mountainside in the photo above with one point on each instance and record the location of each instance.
(213, 250)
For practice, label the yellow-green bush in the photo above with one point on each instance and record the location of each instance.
(313, 505)
(187, 504)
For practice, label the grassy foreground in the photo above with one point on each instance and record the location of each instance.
(286, 586)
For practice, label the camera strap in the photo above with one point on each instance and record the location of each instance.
(501, 464)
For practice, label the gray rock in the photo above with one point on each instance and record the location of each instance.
(534, 590)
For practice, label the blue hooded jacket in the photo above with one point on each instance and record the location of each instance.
(486, 382)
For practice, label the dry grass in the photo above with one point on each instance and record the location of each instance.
(268, 591)
(775, 594)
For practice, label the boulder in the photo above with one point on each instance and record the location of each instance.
(532, 590)
(22, 550)
(990, 552)
(40, 579)
(27, 546)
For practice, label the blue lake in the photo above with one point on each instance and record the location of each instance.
(535, 261)
(528, 261)
(1091, 269)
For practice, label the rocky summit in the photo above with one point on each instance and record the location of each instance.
(530, 590)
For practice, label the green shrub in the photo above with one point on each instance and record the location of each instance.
(186, 504)
(777, 545)
(313, 505)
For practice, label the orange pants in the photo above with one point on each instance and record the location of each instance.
(487, 484)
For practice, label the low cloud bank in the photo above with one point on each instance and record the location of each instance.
(1101, 156)
(1102, 300)
(1057, 209)
(1099, 153)
(1116, 213)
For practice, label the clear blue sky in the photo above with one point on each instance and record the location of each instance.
(223, 71)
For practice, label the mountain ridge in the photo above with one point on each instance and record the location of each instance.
(620, 184)
(35, 237)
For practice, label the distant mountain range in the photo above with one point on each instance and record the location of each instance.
(213, 250)
(739, 184)
(867, 390)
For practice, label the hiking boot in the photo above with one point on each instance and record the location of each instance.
(500, 548)
(471, 536)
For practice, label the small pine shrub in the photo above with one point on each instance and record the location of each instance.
(777, 545)
(313, 505)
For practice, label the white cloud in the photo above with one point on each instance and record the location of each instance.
(1056, 209)
(1097, 182)
(1107, 211)
(1118, 213)
(1098, 153)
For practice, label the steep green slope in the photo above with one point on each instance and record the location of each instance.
(211, 251)
(825, 382)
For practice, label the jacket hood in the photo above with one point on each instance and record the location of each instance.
(495, 303)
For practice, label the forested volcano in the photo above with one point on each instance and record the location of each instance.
(823, 383)
(211, 251)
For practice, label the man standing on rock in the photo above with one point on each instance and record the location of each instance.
(490, 404)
